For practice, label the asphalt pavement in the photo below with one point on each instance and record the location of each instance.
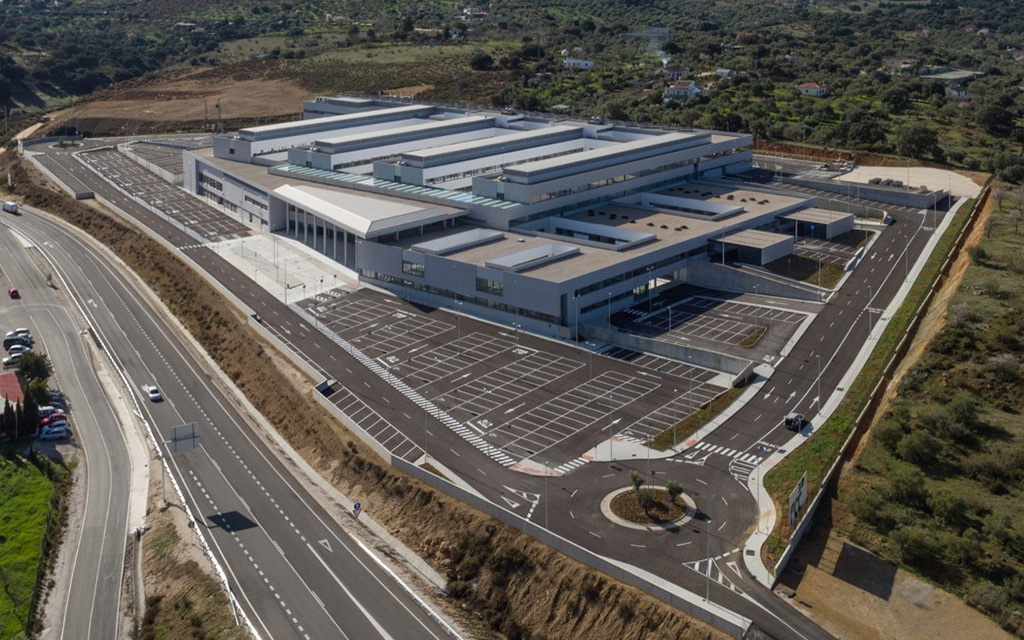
(700, 556)
(294, 572)
(95, 552)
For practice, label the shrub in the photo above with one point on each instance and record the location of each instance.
(919, 447)
(1004, 366)
(889, 432)
(914, 545)
(674, 490)
(906, 487)
(949, 509)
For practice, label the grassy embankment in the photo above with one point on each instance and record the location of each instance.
(31, 511)
(939, 487)
(818, 454)
(504, 582)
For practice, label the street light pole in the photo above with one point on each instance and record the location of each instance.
(707, 593)
(818, 356)
(675, 422)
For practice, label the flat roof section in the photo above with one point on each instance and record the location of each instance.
(341, 179)
(817, 216)
(754, 239)
(656, 144)
(513, 141)
(418, 129)
(464, 240)
(279, 129)
(532, 257)
(364, 216)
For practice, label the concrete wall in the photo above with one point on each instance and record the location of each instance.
(888, 195)
(714, 276)
(173, 178)
(708, 359)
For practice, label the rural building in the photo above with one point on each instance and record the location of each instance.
(812, 89)
(576, 63)
(683, 90)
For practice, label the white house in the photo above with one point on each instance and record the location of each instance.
(812, 89)
(576, 63)
(682, 90)
(958, 91)
(723, 73)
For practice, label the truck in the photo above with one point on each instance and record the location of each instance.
(11, 207)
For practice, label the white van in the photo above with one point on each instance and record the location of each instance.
(11, 207)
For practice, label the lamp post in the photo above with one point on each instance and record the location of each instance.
(517, 327)
(609, 313)
(818, 356)
(547, 472)
(650, 289)
(458, 321)
(576, 298)
(675, 421)
(707, 593)
(591, 347)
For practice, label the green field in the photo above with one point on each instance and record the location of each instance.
(26, 494)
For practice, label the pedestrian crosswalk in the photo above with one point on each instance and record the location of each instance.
(740, 456)
(572, 464)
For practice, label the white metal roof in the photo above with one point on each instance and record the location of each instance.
(364, 216)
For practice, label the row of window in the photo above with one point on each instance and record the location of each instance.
(639, 271)
(211, 182)
(482, 302)
(417, 269)
(604, 182)
(256, 203)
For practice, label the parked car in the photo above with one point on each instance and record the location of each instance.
(20, 331)
(795, 421)
(19, 348)
(10, 341)
(47, 410)
(13, 292)
(13, 359)
(53, 418)
(56, 433)
(153, 392)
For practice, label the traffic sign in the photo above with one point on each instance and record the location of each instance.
(357, 508)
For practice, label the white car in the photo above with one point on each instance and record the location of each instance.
(13, 359)
(153, 392)
(19, 348)
(20, 331)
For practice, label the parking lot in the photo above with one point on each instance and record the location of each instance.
(169, 201)
(718, 323)
(512, 395)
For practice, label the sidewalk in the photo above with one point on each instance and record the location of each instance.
(767, 515)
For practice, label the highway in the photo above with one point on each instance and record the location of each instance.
(702, 555)
(294, 574)
(96, 550)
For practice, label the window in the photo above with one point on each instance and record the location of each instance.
(492, 287)
(413, 268)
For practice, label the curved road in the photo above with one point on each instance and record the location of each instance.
(96, 550)
(294, 573)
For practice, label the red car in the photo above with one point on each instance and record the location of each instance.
(13, 292)
(52, 418)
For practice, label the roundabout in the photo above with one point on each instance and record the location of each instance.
(622, 508)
